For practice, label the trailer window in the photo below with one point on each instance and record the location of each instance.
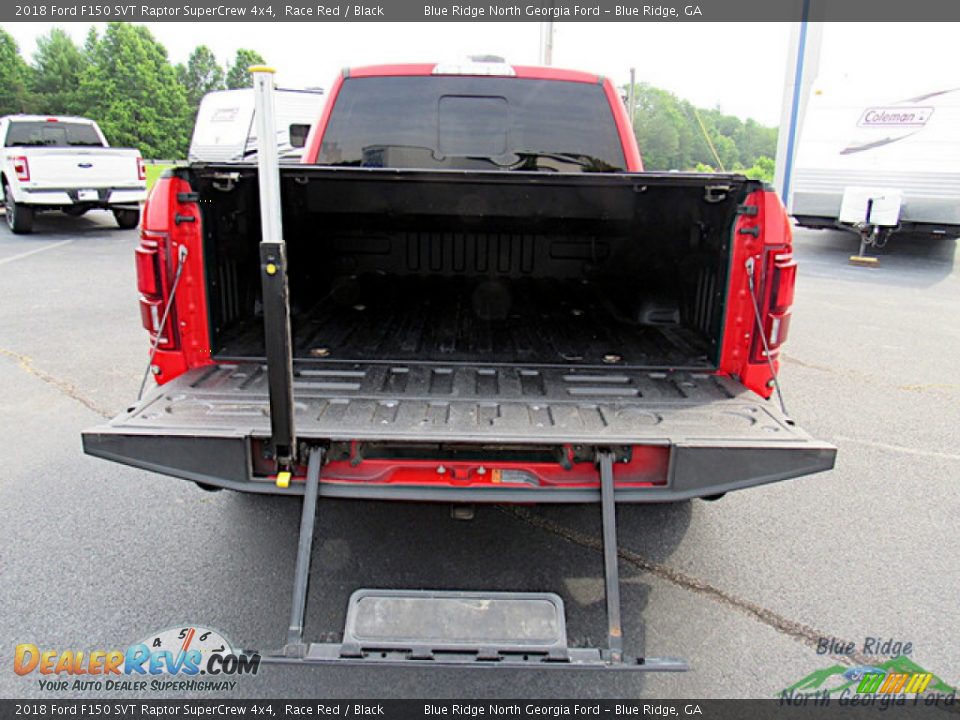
(457, 122)
(52, 134)
(298, 134)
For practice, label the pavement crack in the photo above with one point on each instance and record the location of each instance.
(784, 625)
(26, 364)
(920, 452)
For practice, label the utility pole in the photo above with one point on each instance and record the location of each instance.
(803, 63)
(546, 43)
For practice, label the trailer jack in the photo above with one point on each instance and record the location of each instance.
(870, 236)
(451, 628)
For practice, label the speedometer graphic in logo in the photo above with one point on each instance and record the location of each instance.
(193, 644)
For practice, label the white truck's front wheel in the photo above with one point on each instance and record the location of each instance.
(19, 216)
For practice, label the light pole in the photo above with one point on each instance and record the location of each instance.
(546, 43)
(802, 66)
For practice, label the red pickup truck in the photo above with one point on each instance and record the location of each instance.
(480, 297)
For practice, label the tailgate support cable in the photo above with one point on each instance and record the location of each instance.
(751, 265)
(181, 261)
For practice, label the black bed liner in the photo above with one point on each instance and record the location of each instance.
(477, 267)
(544, 321)
(204, 425)
(430, 402)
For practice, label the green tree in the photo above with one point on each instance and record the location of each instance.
(201, 74)
(670, 135)
(131, 89)
(762, 169)
(14, 77)
(238, 76)
(57, 64)
(755, 141)
(658, 125)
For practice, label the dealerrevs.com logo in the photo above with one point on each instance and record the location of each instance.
(187, 658)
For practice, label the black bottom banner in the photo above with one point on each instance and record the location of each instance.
(283, 709)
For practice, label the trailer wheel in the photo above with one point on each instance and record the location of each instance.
(19, 216)
(208, 488)
(127, 218)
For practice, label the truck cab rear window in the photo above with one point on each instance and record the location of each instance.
(52, 134)
(478, 123)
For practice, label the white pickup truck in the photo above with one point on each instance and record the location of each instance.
(65, 163)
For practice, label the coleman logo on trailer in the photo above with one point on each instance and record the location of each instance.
(898, 116)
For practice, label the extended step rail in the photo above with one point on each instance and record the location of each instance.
(450, 628)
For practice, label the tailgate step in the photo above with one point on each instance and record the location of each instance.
(441, 627)
(427, 622)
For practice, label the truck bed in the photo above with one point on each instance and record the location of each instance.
(477, 267)
(445, 322)
(548, 322)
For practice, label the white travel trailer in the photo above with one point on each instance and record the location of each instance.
(225, 130)
(879, 160)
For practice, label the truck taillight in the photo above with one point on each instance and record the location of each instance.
(141, 169)
(148, 266)
(151, 312)
(22, 168)
(150, 283)
(156, 259)
(781, 280)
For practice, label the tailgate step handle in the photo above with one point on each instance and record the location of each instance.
(426, 623)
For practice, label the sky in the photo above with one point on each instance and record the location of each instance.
(738, 67)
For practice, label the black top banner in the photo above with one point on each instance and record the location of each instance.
(485, 11)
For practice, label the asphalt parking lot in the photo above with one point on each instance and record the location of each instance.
(97, 556)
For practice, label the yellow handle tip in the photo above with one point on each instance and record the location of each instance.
(283, 480)
(261, 68)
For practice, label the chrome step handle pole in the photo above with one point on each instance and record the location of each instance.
(273, 276)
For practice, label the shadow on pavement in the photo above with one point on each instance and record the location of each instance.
(58, 226)
(908, 260)
(360, 544)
